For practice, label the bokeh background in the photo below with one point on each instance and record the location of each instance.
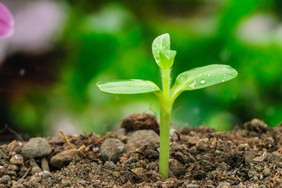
(60, 50)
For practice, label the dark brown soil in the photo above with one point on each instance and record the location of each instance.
(248, 156)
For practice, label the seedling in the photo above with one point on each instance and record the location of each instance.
(197, 78)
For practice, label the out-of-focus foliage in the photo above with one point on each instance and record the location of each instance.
(110, 40)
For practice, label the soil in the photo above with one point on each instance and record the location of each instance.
(248, 156)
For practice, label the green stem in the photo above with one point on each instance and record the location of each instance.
(165, 113)
(164, 141)
(166, 82)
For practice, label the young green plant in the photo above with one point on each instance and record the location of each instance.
(197, 78)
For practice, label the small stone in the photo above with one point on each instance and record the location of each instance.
(17, 159)
(193, 150)
(96, 150)
(176, 167)
(276, 156)
(66, 182)
(63, 157)
(224, 166)
(13, 167)
(116, 174)
(45, 174)
(5, 179)
(141, 138)
(174, 135)
(12, 173)
(249, 156)
(261, 158)
(223, 185)
(17, 185)
(45, 164)
(110, 165)
(131, 160)
(35, 179)
(202, 144)
(210, 186)
(111, 149)
(35, 170)
(138, 171)
(243, 147)
(36, 147)
(266, 172)
(192, 186)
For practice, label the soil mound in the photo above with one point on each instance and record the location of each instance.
(248, 156)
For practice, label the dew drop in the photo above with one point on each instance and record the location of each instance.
(222, 80)
(203, 81)
(193, 84)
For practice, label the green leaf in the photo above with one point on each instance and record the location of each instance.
(162, 42)
(128, 87)
(202, 77)
(167, 58)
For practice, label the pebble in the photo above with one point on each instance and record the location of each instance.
(63, 157)
(173, 135)
(249, 156)
(141, 138)
(266, 172)
(138, 171)
(111, 149)
(5, 179)
(45, 164)
(243, 147)
(176, 167)
(66, 182)
(202, 144)
(13, 167)
(223, 185)
(192, 186)
(110, 165)
(35, 170)
(17, 185)
(45, 174)
(96, 149)
(210, 186)
(17, 159)
(12, 173)
(36, 147)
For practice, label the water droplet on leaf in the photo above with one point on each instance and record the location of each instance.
(203, 81)
(193, 84)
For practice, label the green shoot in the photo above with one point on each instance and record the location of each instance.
(190, 80)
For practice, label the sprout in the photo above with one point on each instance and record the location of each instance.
(6, 22)
(197, 78)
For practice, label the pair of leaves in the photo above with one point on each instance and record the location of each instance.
(190, 80)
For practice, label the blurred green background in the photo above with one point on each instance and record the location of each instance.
(105, 40)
